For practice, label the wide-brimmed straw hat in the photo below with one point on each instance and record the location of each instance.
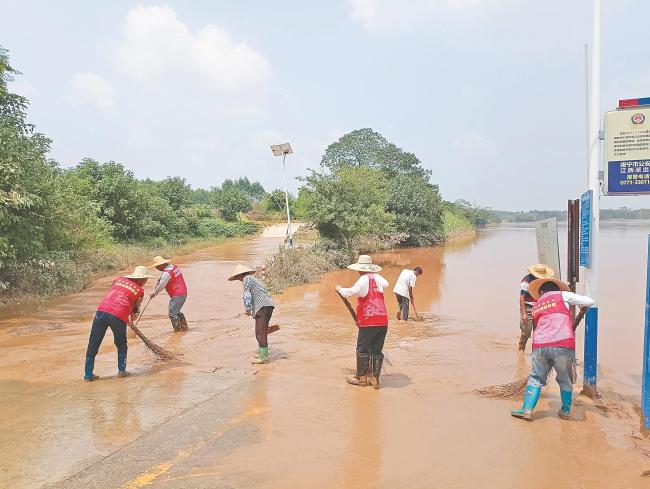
(541, 271)
(159, 260)
(364, 264)
(535, 285)
(140, 272)
(240, 270)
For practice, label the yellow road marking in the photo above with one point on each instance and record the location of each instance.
(150, 475)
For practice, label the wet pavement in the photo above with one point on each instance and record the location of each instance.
(214, 420)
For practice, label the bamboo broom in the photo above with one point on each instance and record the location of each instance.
(159, 352)
(516, 389)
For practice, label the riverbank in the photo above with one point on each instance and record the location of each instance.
(69, 272)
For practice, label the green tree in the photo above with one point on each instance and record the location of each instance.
(275, 201)
(253, 190)
(417, 208)
(176, 192)
(348, 203)
(365, 147)
(230, 202)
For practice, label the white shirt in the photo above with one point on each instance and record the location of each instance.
(405, 280)
(571, 299)
(360, 288)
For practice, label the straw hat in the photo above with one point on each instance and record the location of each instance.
(534, 286)
(364, 264)
(159, 260)
(240, 270)
(140, 272)
(541, 271)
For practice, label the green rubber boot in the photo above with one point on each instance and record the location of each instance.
(262, 356)
(565, 410)
(530, 401)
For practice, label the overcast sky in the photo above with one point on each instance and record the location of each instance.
(489, 94)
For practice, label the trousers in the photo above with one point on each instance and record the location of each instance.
(404, 303)
(262, 320)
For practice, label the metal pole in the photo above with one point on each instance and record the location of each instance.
(587, 102)
(645, 390)
(591, 274)
(286, 198)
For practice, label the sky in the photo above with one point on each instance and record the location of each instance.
(489, 94)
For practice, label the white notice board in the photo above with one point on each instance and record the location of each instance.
(548, 246)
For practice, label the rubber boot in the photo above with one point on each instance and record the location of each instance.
(183, 322)
(530, 401)
(89, 376)
(565, 410)
(121, 364)
(262, 356)
(361, 378)
(176, 324)
(377, 361)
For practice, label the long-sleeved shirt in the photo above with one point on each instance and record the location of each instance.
(163, 280)
(255, 295)
(360, 288)
(572, 299)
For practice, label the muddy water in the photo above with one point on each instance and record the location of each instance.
(213, 419)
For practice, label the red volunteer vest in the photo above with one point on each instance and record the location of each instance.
(552, 319)
(176, 285)
(121, 298)
(371, 309)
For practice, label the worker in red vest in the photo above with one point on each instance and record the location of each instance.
(173, 282)
(372, 320)
(121, 305)
(554, 343)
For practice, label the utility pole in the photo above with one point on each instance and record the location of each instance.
(591, 273)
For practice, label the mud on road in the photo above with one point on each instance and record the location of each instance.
(214, 420)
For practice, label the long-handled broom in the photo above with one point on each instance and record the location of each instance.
(516, 389)
(159, 352)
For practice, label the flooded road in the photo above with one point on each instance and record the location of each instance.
(213, 420)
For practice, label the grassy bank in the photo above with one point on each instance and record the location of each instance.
(306, 264)
(456, 226)
(67, 272)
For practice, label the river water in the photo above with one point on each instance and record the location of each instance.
(214, 420)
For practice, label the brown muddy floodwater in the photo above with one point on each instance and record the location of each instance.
(213, 420)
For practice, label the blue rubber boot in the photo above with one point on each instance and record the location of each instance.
(89, 376)
(530, 401)
(565, 410)
(121, 363)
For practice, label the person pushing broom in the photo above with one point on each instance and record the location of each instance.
(121, 304)
(171, 279)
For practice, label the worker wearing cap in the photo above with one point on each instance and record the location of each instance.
(553, 343)
(173, 282)
(527, 301)
(121, 305)
(372, 320)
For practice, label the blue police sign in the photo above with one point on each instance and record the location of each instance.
(585, 229)
(627, 149)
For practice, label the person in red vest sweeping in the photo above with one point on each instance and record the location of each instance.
(121, 304)
(554, 343)
(173, 282)
(372, 320)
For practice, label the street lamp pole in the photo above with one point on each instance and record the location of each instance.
(284, 150)
(286, 199)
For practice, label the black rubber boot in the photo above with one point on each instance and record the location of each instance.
(377, 362)
(183, 321)
(361, 378)
(176, 324)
